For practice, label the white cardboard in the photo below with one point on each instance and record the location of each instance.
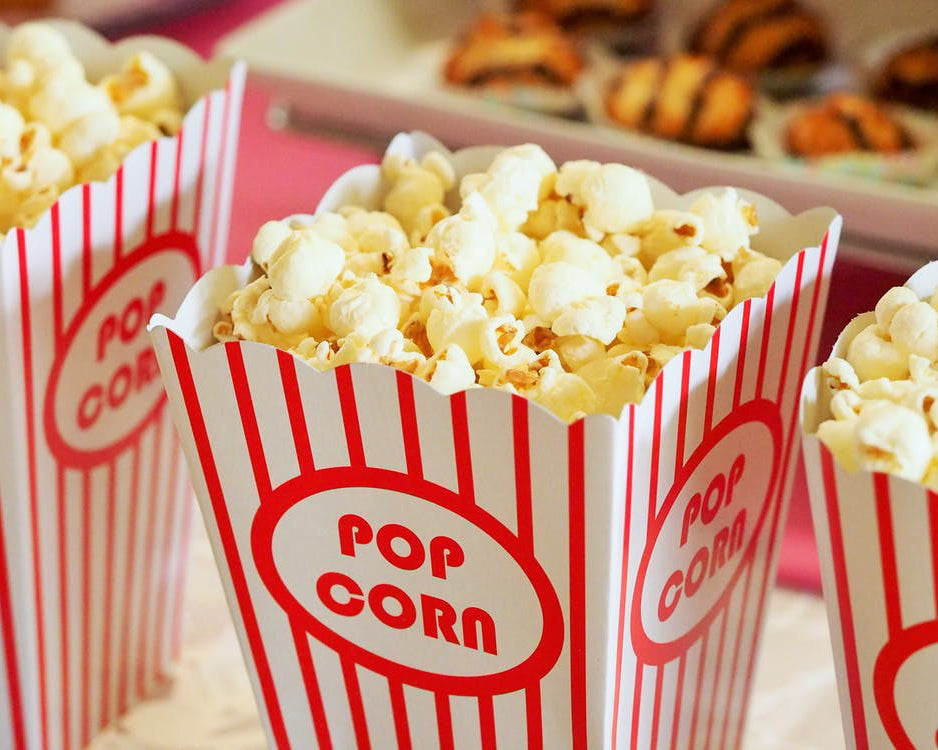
(877, 539)
(562, 540)
(95, 511)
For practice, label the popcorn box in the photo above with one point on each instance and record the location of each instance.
(95, 511)
(877, 538)
(407, 569)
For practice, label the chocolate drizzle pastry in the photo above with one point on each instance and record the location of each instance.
(757, 35)
(911, 75)
(505, 50)
(685, 98)
(843, 123)
(588, 15)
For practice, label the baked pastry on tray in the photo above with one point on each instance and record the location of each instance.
(587, 15)
(685, 98)
(503, 50)
(910, 75)
(842, 123)
(761, 35)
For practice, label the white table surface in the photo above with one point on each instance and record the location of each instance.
(210, 706)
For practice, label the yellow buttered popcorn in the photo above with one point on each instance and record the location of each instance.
(563, 284)
(58, 129)
(884, 392)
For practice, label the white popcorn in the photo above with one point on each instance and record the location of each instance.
(845, 404)
(566, 394)
(884, 389)
(304, 266)
(145, 87)
(59, 101)
(449, 371)
(556, 286)
(600, 318)
(552, 215)
(577, 350)
(921, 370)
(894, 439)
(517, 255)
(666, 230)
(501, 295)
(461, 322)
(365, 308)
(891, 302)
(585, 254)
(728, 221)
(415, 187)
(637, 331)
(623, 244)
(84, 137)
(914, 329)
(44, 49)
(268, 240)
(614, 197)
(672, 307)
(755, 278)
(12, 126)
(616, 381)
(699, 335)
(410, 269)
(692, 264)
(872, 356)
(840, 375)
(839, 438)
(49, 167)
(502, 346)
(465, 243)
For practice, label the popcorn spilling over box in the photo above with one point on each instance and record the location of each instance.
(412, 560)
(869, 417)
(116, 169)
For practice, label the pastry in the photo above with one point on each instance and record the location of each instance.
(759, 35)
(684, 98)
(506, 50)
(911, 75)
(587, 15)
(843, 123)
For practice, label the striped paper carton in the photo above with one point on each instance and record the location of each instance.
(94, 499)
(411, 570)
(877, 540)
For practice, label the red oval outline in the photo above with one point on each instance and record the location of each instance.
(758, 410)
(535, 666)
(176, 241)
(894, 654)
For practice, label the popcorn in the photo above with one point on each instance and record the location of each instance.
(914, 329)
(57, 128)
(565, 287)
(872, 356)
(891, 302)
(755, 278)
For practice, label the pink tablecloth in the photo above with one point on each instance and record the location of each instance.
(280, 173)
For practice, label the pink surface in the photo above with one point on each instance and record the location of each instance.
(281, 173)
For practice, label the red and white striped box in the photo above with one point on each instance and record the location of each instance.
(95, 508)
(877, 539)
(411, 570)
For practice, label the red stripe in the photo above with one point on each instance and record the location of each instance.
(717, 681)
(933, 532)
(682, 413)
(461, 440)
(86, 239)
(741, 359)
(843, 599)
(56, 276)
(220, 177)
(736, 651)
(656, 711)
(410, 433)
(252, 435)
(766, 336)
(792, 318)
(655, 453)
(186, 538)
(311, 682)
(698, 692)
(151, 196)
(887, 551)
(118, 213)
(63, 606)
(124, 668)
(444, 721)
(174, 213)
(226, 534)
(172, 501)
(356, 707)
(399, 710)
(487, 722)
(156, 469)
(200, 180)
(678, 697)
(712, 379)
(106, 640)
(294, 402)
(38, 579)
(576, 466)
(86, 608)
(18, 730)
(353, 435)
(623, 578)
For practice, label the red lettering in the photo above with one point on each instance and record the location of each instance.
(353, 529)
(147, 368)
(665, 607)
(155, 298)
(380, 594)
(415, 555)
(89, 408)
(692, 583)
(736, 473)
(352, 606)
(105, 334)
(716, 488)
(471, 617)
(690, 515)
(719, 551)
(444, 553)
(119, 386)
(131, 319)
(439, 617)
(737, 532)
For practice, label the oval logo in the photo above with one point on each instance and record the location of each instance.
(706, 531)
(398, 574)
(903, 683)
(105, 384)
